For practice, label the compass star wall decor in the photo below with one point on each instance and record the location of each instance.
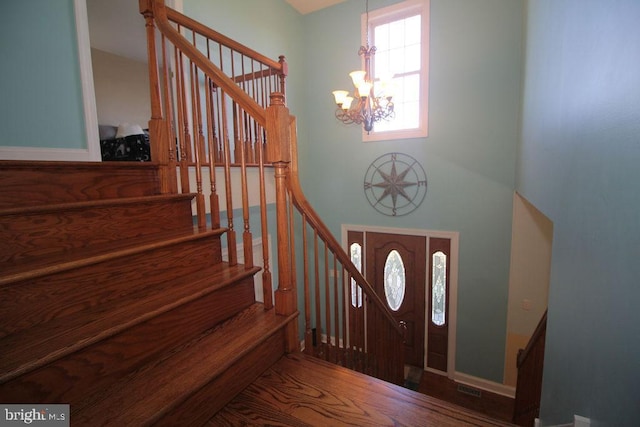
(395, 184)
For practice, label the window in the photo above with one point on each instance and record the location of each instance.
(356, 258)
(439, 288)
(394, 280)
(400, 33)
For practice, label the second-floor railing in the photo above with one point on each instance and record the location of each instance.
(220, 129)
(529, 386)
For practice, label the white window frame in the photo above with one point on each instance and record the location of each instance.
(389, 14)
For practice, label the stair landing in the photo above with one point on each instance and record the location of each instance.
(304, 391)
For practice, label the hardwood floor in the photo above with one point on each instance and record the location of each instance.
(303, 391)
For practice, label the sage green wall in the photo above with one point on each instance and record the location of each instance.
(469, 155)
(40, 85)
(270, 27)
(580, 165)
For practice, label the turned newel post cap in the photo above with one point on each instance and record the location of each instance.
(276, 98)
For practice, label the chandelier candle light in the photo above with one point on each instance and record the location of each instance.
(373, 100)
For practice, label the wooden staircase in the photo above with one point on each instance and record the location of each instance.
(111, 301)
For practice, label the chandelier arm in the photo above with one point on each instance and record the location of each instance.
(369, 108)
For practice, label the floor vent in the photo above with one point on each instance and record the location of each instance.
(469, 390)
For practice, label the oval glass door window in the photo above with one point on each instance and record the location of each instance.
(394, 280)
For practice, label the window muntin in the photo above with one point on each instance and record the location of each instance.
(400, 34)
(394, 280)
(439, 288)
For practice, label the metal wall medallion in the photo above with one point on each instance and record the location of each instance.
(395, 184)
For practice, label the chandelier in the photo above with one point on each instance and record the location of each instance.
(373, 100)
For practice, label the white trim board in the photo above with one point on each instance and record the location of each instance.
(46, 154)
(92, 152)
(86, 78)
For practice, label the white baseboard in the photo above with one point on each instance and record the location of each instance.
(578, 421)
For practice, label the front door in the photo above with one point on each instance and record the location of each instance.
(395, 265)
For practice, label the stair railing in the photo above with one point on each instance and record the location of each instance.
(218, 112)
(346, 322)
(208, 114)
(529, 385)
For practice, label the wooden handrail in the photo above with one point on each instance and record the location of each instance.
(313, 218)
(538, 333)
(196, 26)
(202, 62)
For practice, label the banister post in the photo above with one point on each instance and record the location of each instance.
(284, 72)
(278, 153)
(158, 126)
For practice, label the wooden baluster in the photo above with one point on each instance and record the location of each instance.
(198, 142)
(219, 100)
(210, 105)
(247, 238)
(267, 287)
(292, 250)
(308, 337)
(251, 147)
(327, 303)
(316, 281)
(350, 323)
(231, 234)
(336, 312)
(169, 124)
(284, 71)
(184, 136)
(359, 336)
(346, 302)
(214, 202)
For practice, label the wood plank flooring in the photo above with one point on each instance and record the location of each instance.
(303, 391)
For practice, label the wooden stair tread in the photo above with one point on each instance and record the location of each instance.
(23, 210)
(30, 183)
(174, 378)
(67, 334)
(32, 268)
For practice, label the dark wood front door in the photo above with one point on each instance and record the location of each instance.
(404, 259)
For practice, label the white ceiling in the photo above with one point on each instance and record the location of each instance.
(116, 26)
(308, 6)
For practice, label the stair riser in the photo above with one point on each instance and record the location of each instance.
(72, 378)
(39, 234)
(204, 403)
(29, 303)
(38, 183)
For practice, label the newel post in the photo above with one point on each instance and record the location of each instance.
(278, 152)
(158, 126)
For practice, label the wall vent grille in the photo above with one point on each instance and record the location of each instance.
(469, 390)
